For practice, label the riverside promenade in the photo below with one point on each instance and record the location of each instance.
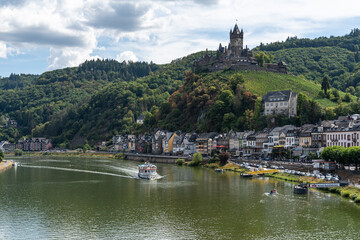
(5, 165)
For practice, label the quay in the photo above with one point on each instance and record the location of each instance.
(153, 158)
(5, 165)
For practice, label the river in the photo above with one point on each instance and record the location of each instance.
(81, 198)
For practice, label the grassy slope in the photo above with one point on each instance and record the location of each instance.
(261, 82)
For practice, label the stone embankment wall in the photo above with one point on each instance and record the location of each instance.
(153, 158)
(5, 166)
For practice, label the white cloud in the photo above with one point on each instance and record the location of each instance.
(3, 50)
(158, 30)
(126, 56)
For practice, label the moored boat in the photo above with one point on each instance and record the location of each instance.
(246, 175)
(299, 189)
(147, 171)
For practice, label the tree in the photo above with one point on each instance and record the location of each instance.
(2, 155)
(197, 160)
(325, 85)
(223, 157)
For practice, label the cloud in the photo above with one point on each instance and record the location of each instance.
(120, 16)
(42, 35)
(126, 56)
(159, 30)
(3, 50)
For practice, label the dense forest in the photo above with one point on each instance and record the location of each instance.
(115, 108)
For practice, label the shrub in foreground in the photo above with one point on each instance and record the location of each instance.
(180, 162)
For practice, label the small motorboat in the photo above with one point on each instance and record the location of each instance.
(147, 171)
(300, 189)
(219, 170)
(273, 192)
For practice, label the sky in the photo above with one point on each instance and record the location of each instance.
(42, 35)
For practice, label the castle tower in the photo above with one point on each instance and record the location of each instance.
(236, 41)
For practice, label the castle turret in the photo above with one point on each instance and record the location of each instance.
(236, 41)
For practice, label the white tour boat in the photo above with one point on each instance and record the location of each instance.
(147, 171)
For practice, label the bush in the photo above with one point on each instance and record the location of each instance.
(194, 164)
(180, 162)
(197, 160)
(119, 156)
(214, 159)
(212, 165)
(345, 193)
(353, 196)
(357, 200)
(2, 155)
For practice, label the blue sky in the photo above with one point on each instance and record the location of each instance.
(42, 35)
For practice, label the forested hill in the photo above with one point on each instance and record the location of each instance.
(34, 100)
(337, 57)
(113, 105)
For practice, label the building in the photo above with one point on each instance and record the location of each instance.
(140, 119)
(204, 143)
(34, 144)
(280, 102)
(235, 57)
(342, 137)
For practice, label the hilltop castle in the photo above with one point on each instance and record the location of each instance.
(235, 57)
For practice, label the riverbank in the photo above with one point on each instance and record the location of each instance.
(70, 154)
(5, 165)
(350, 192)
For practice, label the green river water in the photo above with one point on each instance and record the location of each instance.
(80, 198)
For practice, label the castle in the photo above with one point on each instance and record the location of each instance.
(235, 57)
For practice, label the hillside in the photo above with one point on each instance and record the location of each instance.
(337, 57)
(114, 108)
(232, 100)
(260, 83)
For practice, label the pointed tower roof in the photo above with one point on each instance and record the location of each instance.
(236, 29)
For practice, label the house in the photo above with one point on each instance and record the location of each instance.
(167, 142)
(348, 137)
(189, 142)
(143, 143)
(234, 142)
(204, 143)
(305, 139)
(179, 144)
(249, 149)
(280, 102)
(156, 142)
(131, 143)
(140, 119)
(34, 144)
(290, 137)
(261, 137)
(10, 123)
(5, 146)
(119, 143)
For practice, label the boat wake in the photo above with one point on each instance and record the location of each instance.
(132, 172)
(78, 170)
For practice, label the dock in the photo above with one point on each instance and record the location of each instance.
(262, 172)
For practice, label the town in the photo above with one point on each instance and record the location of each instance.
(279, 143)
